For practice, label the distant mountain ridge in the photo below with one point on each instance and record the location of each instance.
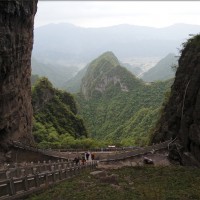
(67, 44)
(162, 70)
(57, 74)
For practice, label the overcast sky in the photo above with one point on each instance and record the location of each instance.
(108, 13)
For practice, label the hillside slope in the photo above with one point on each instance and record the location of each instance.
(55, 114)
(162, 70)
(112, 99)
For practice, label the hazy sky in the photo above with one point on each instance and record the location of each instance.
(107, 13)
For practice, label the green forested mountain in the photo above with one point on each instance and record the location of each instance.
(55, 115)
(108, 60)
(100, 74)
(162, 70)
(116, 105)
(74, 84)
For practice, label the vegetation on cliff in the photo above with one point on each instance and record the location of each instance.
(55, 116)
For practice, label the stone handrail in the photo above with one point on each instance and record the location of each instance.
(13, 188)
(107, 149)
(137, 152)
(26, 169)
(120, 156)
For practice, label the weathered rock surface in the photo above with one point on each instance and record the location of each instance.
(16, 41)
(181, 115)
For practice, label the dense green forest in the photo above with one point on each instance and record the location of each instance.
(56, 123)
(112, 107)
(116, 106)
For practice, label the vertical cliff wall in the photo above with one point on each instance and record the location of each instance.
(181, 115)
(16, 41)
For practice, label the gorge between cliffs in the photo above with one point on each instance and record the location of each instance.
(180, 114)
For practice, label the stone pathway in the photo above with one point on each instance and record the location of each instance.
(159, 159)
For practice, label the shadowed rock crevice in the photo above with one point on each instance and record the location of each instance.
(16, 41)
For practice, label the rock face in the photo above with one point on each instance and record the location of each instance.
(16, 40)
(110, 79)
(181, 115)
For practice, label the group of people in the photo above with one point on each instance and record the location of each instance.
(85, 157)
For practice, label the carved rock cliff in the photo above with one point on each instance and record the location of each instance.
(16, 41)
(181, 116)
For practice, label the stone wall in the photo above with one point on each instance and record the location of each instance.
(16, 41)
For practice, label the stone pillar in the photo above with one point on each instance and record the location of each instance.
(16, 42)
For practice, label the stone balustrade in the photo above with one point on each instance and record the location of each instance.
(26, 183)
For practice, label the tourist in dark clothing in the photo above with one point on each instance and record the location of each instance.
(83, 160)
(92, 156)
(87, 155)
(76, 160)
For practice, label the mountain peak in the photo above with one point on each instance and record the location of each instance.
(107, 53)
(102, 64)
(107, 56)
(104, 73)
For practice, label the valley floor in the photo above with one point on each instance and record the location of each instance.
(130, 183)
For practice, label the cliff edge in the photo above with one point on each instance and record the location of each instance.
(181, 116)
(16, 41)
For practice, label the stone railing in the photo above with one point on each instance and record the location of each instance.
(107, 149)
(16, 171)
(137, 152)
(13, 188)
